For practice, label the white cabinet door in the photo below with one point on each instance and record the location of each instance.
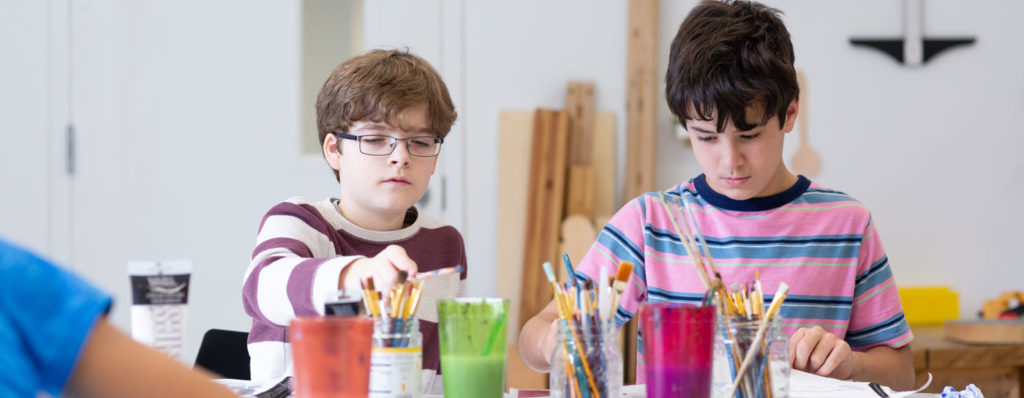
(187, 121)
(33, 105)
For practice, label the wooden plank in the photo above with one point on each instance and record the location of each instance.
(986, 331)
(998, 370)
(515, 138)
(544, 214)
(579, 108)
(603, 161)
(641, 97)
(946, 354)
(577, 236)
(579, 105)
(580, 193)
(518, 375)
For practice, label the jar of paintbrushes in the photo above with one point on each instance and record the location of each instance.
(586, 363)
(768, 373)
(751, 350)
(396, 360)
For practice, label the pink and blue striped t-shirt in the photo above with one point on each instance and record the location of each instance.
(821, 242)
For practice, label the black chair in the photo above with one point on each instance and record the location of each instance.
(225, 353)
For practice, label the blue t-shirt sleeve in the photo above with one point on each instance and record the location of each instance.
(46, 315)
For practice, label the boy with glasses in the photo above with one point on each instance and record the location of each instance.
(731, 82)
(381, 118)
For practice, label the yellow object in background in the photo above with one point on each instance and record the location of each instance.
(929, 305)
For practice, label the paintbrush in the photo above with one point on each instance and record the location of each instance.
(366, 299)
(562, 311)
(755, 346)
(396, 294)
(625, 270)
(603, 292)
(568, 270)
(685, 239)
(700, 235)
(439, 272)
(371, 292)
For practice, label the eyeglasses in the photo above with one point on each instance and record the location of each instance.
(382, 145)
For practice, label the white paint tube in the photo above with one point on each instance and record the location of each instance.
(159, 304)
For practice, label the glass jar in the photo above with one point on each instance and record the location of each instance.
(586, 359)
(770, 366)
(396, 360)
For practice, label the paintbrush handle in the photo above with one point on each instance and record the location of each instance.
(752, 351)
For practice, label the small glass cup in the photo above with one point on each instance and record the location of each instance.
(586, 359)
(331, 356)
(472, 335)
(678, 345)
(769, 369)
(396, 362)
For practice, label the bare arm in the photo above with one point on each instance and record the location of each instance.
(537, 340)
(816, 351)
(113, 365)
(893, 367)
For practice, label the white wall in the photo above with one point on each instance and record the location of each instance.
(931, 150)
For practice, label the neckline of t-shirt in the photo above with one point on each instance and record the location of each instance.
(339, 222)
(753, 204)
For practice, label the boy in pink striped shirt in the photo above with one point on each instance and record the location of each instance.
(732, 84)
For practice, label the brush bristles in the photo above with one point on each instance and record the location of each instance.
(403, 276)
(625, 269)
(550, 272)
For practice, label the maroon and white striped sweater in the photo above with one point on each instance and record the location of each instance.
(301, 250)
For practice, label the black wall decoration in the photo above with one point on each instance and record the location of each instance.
(913, 49)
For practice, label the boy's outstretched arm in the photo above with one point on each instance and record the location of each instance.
(538, 338)
(816, 351)
(111, 364)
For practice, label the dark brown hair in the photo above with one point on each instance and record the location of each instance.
(727, 55)
(379, 86)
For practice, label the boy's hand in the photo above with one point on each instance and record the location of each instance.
(383, 268)
(816, 351)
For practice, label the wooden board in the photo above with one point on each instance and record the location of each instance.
(995, 369)
(579, 108)
(604, 164)
(641, 97)
(986, 331)
(544, 214)
(518, 375)
(577, 237)
(515, 138)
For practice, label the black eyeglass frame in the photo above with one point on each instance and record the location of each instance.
(358, 139)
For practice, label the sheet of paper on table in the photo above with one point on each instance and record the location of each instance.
(806, 385)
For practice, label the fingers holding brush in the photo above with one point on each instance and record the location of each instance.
(388, 268)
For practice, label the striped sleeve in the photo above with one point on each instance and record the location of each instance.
(294, 267)
(622, 239)
(876, 317)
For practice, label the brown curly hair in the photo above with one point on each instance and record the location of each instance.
(379, 86)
